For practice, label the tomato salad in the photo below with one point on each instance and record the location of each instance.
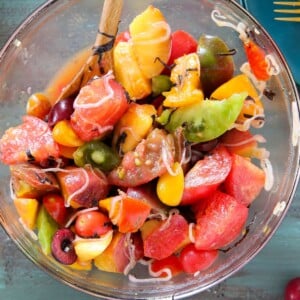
(153, 162)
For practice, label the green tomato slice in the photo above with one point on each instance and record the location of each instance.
(207, 119)
(46, 227)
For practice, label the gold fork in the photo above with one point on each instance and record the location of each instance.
(293, 10)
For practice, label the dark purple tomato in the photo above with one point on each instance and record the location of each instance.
(61, 110)
(292, 289)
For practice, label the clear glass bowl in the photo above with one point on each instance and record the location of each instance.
(58, 30)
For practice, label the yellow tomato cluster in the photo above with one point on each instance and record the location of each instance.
(146, 53)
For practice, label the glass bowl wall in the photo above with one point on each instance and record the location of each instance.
(58, 30)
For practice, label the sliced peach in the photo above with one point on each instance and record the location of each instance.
(151, 40)
(131, 78)
(134, 125)
(87, 249)
(27, 209)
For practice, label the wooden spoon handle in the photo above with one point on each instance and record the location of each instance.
(101, 59)
(109, 21)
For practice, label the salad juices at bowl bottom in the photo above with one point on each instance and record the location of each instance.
(148, 163)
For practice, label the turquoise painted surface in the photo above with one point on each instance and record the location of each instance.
(263, 278)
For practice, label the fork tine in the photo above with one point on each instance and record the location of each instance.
(295, 3)
(288, 11)
(289, 19)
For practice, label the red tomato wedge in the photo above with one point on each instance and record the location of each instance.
(30, 141)
(170, 263)
(148, 161)
(245, 180)
(82, 187)
(194, 260)
(55, 206)
(220, 219)
(166, 238)
(98, 106)
(182, 43)
(206, 175)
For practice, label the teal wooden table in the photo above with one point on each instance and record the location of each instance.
(263, 278)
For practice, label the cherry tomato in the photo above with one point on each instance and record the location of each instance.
(292, 289)
(38, 105)
(92, 224)
(55, 206)
(194, 260)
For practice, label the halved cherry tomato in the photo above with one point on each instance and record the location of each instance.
(55, 206)
(92, 224)
(194, 260)
(206, 175)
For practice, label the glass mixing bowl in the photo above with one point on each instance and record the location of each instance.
(58, 30)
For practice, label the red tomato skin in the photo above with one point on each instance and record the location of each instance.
(122, 37)
(292, 289)
(138, 245)
(206, 175)
(165, 239)
(182, 43)
(171, 262)
(257, 60)
(92, 224)
(71, 181)
(239, 142)
(194, 260)
(55, 206)
(30, 141)
(220, 219)
(94, 122)
(133, 214)
(244, 181)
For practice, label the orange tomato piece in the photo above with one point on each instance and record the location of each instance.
(256, 58)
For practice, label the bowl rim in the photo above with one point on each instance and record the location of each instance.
(23, 26)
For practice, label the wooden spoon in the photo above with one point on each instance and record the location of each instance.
(100, 61)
